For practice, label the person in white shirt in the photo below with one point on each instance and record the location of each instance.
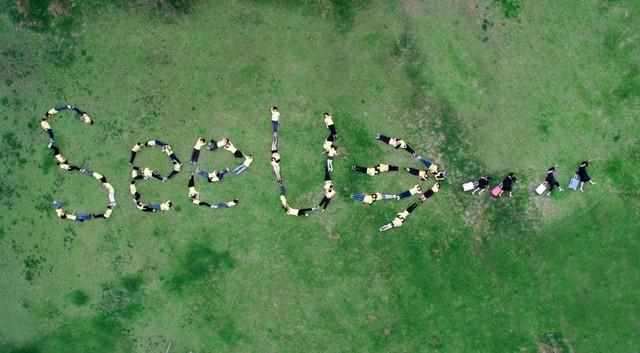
(195, 153)
(275, 120)
(396, 143)
(328, 121)
(275, 165)
(400, 218)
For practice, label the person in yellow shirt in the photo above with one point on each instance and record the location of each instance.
(331, 153)
(214, 176)
(371, 171)
(275, 120)
(107, 213)
(133, 190)
(195, 153)
(430, 192)
(44, 124)
(396, 143)
(400, 218)
(275, 165)
(329, 191)
(416, 189)
(134, 150)
(328, 121)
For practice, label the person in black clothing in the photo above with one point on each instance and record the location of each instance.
(507, 183)
(551, 180)
(583, 175)
(482, 184)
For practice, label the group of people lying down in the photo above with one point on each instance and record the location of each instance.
(329, 149)
(67, 166)
(432, 171)
(214, 176)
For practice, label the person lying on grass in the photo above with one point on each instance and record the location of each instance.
(214, 176)
(275, 120)
(275, 165)
(430, 192)
(329, 191)
(416, 189)
(400, 218)
(195, 153)
(396, 143)
(328, 121)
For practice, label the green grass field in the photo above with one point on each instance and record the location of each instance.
(481, 86)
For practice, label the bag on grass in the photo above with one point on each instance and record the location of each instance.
(468, 186)
(541, 188)
(574, 182)
(497, 191)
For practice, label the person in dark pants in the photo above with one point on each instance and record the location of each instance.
(195, 153)
(416, 189)
(482, 184)
(430, 192)
(328, 121)
(329, 191)
(275, 120)
(551, 180)
(507, 183)
(396, 143)
(583, 175)
(400, 218)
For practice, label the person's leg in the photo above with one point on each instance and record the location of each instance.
(359, 169)
(195, 155)
(304, 211)
(274, 126)
(332, 129)
(404, 194)
(221, 173)
(427, 163)
(171, 175)
(157, 176)
(327, 174)
(390, 197)
(581, 186)
(393, 168)
(203, 174)
(410, 150)
(274, 143)
(73, 167)
(63, 107)
(386, 227)
(413, 171)
(330, 164)
(358, 197)
(133, 157)
(204, 204)
(383, 138)
(238, 154)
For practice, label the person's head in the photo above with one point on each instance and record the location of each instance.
(326, 114)
(374, 196)
(274, 109)
(512, 175)
(236, 201)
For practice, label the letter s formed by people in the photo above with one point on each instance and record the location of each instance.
(67, 166)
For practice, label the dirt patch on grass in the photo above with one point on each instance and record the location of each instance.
(414, 8)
